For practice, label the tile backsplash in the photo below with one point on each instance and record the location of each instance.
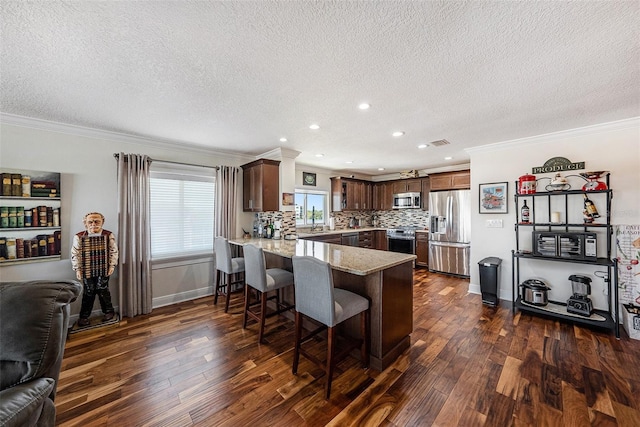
(386, 219)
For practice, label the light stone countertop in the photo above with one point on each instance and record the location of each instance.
(350, 259)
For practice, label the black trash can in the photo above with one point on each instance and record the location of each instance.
(489, 280)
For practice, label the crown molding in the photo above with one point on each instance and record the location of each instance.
(633, 122)
(46, 125)
(279, 153)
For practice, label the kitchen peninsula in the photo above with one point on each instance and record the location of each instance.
(385, 278)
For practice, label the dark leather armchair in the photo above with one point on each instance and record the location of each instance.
(34, 320)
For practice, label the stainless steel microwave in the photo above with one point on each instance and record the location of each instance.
(406, 201)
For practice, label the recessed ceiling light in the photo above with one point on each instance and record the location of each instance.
(283, 139)
(319, 155)
(448, 158)
(422, 146)
(314, 127)
(349, 162)
(380, 169)
(364, 106)
(398, 133)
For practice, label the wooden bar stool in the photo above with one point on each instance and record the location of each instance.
(229, 266)
(263, 280)
(317, 299)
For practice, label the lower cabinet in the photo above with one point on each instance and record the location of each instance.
(335, 238)
(365, 239)
(380, 240)
(422, 249)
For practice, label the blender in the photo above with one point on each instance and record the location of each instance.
(580, 303)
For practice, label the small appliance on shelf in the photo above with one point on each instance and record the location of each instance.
(593, 183)
(580, 303)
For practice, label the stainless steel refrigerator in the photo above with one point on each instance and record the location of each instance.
(450, 231)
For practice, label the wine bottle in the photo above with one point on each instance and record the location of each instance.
(590, 208)
(524, 213)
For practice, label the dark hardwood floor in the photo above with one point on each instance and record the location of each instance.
(191, 364)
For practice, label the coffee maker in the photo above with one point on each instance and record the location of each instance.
(580, 303)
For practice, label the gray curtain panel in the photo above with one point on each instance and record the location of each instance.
(134, 239)
(226, 200)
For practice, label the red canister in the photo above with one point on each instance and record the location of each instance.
(527, 184)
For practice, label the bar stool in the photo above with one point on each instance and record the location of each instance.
(263, 280)
(227, 265)
(317, 299)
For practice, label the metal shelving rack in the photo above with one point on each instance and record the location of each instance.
(606, 319)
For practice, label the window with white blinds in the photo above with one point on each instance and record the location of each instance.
(182, 211)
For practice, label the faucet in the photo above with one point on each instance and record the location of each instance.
(313, 218)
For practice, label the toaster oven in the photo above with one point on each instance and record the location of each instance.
(569, 245)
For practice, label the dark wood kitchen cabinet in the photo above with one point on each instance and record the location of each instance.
(380, 240)
(413, 185)
(383, 196)
(422, 249)
(261, 186)
(350, 194)
(426, 188)
(460, 180)
(365, 239)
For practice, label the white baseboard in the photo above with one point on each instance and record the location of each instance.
(474, 289)
(159, 302)
(182, 296)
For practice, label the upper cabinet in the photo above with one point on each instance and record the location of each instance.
(383, 196)
(261, 186)
(413, 185)
(450, 180)
(350, 194)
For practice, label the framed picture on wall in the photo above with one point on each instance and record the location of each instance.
(493, 198)
(308, 178)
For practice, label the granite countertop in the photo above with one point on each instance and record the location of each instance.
(350, 259)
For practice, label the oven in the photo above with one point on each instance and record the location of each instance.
(402, 239)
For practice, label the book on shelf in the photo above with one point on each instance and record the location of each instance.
(26, 186)
(35, 217)
(16, 184)
(6, 184)
(39, 185)
(13, 220)
(42, 245)
(20, 216)
(27, 248)
(27, 218)
(49, 216)
(4, 216)
(56, 217)
(11, 248)
(34, 247)
(57, 235)
(19, 247)
(3, 248)
(51, 244)
(42, 216)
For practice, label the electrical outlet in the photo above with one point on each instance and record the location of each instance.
(494, 223)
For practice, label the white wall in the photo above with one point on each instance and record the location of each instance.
(613, 147)
(84, 157)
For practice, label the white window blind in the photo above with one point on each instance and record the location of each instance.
(182, 211)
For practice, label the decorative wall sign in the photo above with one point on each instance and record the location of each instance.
(493, 198)
(287, 199)
(308, 178)
(557, 164)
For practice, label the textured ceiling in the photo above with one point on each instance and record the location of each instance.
(239, 75)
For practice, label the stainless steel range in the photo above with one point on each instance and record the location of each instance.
(402, 239)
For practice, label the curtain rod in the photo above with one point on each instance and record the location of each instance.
(117, 155)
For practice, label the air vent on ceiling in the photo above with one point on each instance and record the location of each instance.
(439, 143)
